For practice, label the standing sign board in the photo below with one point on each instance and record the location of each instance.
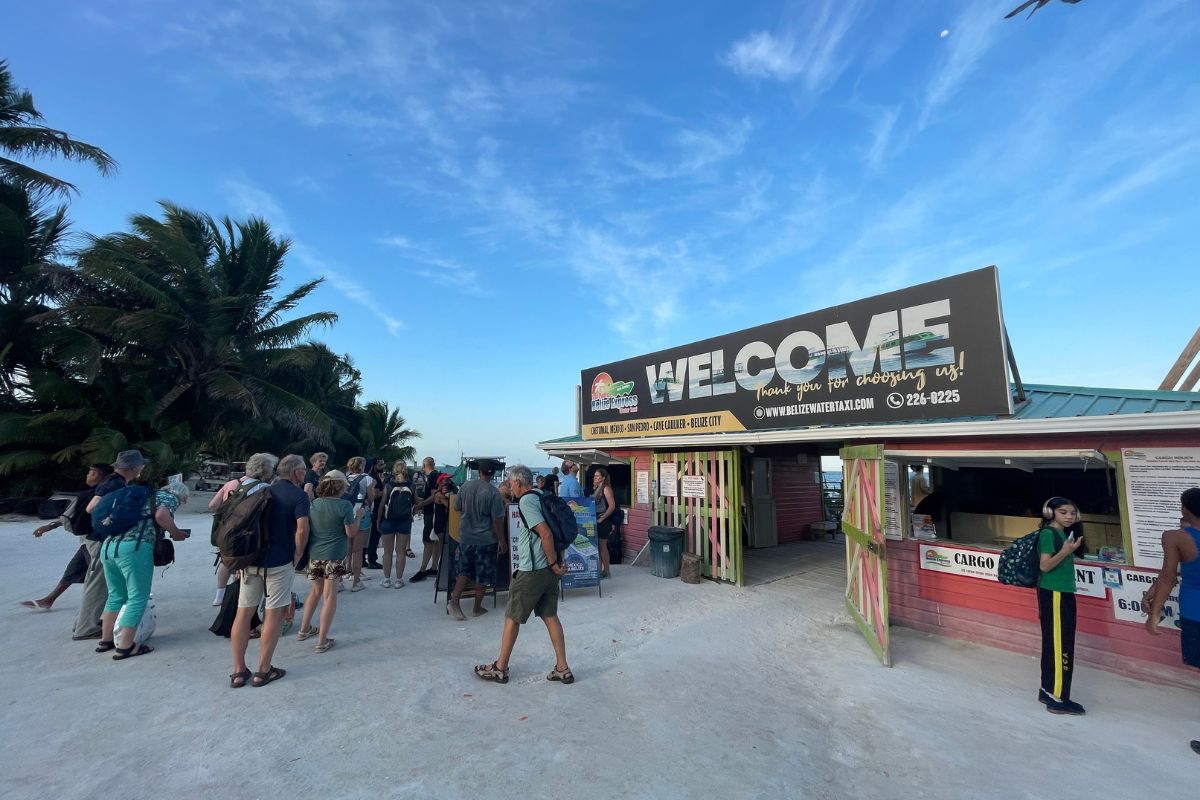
(1154, 477)
(929, 351)
(582, 557)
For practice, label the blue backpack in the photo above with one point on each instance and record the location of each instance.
(559, 517)
(120, 511)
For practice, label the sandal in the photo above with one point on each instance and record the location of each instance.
(263, 678)
(256, 633)
(238, 679)
(564, 675)
(131, 651)
(37, 605)
(306, 633)
(104, 647)
(325, 645)
(491, 672)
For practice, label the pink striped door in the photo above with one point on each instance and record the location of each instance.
(866, 557)
(712, 522)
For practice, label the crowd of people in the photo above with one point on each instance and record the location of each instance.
(330, 524)
(325, 524)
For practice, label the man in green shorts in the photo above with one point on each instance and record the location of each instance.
(534, 589)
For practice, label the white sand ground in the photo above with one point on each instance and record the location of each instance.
(683, 692)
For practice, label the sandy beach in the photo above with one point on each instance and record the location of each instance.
(683, 692)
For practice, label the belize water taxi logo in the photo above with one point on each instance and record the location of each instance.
(608, 394)
(936, 558)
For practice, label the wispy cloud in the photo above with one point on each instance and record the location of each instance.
(881, 136)
(807, 47)
(974, 33)
(250, 200)
(444, 270)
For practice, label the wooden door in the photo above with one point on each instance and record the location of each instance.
(712, 524)
(866, 555)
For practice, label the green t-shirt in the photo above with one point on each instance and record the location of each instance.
(1062, 577)
(328, 518)
(530, 553)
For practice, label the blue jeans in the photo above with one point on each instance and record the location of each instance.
(128, 571)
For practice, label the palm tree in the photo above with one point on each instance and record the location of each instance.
(196, 298)
(31, 239)
(23, 134)
(384, 434)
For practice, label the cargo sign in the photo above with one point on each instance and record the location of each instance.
(1127, 600)
(957, 561)
(1089, 580)
(928, 351)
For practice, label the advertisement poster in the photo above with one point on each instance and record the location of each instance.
(956, 561)
(583, 557)
(1089, 580)
(668, 480)
(1127, 600)
(929, 351)
(923, 527)
(891, 500)
(693, 486)
(514, 535)
(1154, 479)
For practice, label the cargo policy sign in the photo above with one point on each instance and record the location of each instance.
(928, 351)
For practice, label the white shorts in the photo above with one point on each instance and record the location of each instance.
(278, 586)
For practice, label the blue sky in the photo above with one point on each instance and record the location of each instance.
(502, 194)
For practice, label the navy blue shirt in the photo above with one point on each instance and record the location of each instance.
(110, 484)
(288, 504)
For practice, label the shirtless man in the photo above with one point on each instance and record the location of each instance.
(1181, 559)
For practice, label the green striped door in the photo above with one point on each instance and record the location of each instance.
(706, 503)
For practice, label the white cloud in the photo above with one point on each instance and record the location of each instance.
(445, 270)
(808, 47)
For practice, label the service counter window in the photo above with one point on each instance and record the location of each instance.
(991, 501)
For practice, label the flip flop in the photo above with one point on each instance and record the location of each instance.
(263, 678)
(37, 605)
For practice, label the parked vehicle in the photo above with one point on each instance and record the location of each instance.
(212, 476)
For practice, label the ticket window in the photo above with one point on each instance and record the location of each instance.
(992, 504)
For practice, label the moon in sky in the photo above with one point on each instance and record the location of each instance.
(945, 33)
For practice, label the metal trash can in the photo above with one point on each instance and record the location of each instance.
(666, 551)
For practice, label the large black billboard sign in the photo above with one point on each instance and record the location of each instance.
(929, 351)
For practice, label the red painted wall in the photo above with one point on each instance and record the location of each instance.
(797, 496)
(1006, 616)
(637, 517)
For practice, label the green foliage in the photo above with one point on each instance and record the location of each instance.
(172, 337)
(23, 135)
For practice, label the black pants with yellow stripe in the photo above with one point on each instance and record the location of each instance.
(1056, 610)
